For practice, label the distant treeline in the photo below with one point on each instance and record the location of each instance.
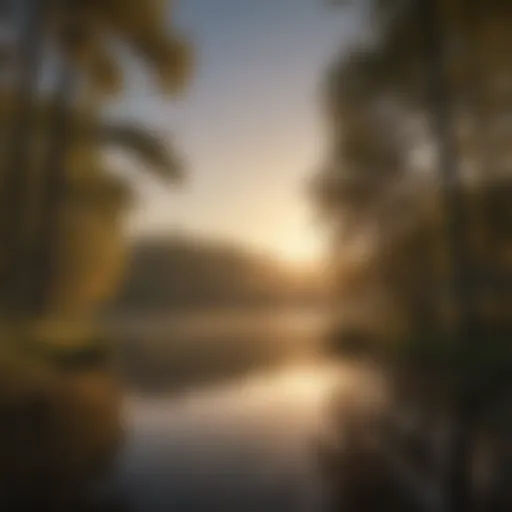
(184, 273)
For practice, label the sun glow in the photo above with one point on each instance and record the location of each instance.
(302, 251)
(307, 384)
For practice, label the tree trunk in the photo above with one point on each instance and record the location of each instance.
(459, 473)
(54, 192)
(17, 164)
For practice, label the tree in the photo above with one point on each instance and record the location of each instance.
(89, 251)
(82, 33)
(422, 65)
(76, 29)
(61, 235)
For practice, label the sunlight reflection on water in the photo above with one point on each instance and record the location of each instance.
(248, 444)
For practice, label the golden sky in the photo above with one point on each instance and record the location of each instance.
(250, 127)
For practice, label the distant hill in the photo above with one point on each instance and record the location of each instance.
(184, 273)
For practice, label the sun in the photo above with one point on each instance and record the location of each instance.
(307, 384)
(302, 251)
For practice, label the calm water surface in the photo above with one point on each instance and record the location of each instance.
(245, 446)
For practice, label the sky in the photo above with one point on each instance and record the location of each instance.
(250, 127)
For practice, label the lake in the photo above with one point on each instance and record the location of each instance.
(247, 444)
(243, 426)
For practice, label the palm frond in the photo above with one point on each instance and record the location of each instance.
(161, 158)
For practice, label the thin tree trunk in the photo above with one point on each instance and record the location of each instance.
(40, 276)
(17, 164)
(55, 189)
(459, 473)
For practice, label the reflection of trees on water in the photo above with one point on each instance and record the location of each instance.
(59, 431)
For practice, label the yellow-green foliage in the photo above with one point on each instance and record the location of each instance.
(89, 257)
(91, 249)
(143, 28)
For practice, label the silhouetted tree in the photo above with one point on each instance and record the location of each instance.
(421, 103)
